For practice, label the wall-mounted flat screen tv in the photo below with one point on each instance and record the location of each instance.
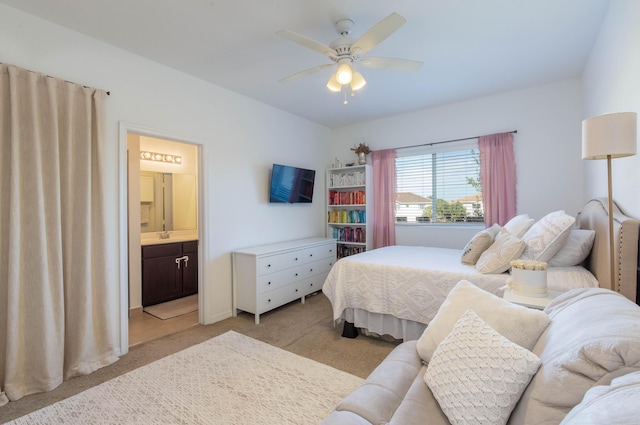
(291, 184)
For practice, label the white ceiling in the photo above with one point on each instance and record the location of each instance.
(469, 48)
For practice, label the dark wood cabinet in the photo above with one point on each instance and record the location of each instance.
(169, 271)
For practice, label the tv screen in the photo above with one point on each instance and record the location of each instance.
(291, 184)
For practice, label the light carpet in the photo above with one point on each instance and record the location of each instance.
(229, 379)
(174, 308)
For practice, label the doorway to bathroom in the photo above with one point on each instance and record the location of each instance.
(163, 181)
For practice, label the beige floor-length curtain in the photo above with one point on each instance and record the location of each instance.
(58, 286)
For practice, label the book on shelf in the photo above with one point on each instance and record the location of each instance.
(347, 250)
(347, 198)
(343, 179)
(347, 216)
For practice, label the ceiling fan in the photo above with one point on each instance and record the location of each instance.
(345, 51)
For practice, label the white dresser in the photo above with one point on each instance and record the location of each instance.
(268, 276)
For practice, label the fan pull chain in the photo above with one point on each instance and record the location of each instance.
(345, 98)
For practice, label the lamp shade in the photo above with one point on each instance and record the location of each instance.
(357, 81)
(344, 73)
(333, 84)
(610, 134)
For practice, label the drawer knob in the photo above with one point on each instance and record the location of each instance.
(268, 265)
(296, 290)
(311, 284)
(310, 255)
(268, 283)
(310, 270)
(269, 300)
(296, 274)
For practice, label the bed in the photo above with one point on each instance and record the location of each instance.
(395, 291)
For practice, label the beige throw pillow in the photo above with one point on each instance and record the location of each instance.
(547, 236)
(479, 244)
(477, 375)
(519, 324)
(497, 258)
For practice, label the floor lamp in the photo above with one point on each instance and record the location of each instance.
(606, 137)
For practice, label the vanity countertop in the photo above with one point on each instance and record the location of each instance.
(172, 239)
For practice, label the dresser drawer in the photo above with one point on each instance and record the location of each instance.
(318, 267)
(274, 263)
(313, 283)
(277, 297)
(270, 281)
(319, 252)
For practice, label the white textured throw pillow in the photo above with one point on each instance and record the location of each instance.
(479, 244)
(575, 250)
(517, 323)
(519, 225)
(547, 236)
(497, 258)
(477, 375)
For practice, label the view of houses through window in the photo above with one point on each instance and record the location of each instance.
(439, 186)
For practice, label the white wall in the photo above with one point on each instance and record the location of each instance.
(547, 148)
(240, 140)
(612, 84)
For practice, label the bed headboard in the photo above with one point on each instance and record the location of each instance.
(626, 230)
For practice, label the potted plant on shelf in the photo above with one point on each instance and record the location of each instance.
(361, 150)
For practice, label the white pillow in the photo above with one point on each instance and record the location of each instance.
(575, 250)
(497, 257)
(478, 375)
(517, 323)
(519, 225)
(618, 403)
(547, 236)
(479, 244)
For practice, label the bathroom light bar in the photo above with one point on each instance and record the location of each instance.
(161, 157)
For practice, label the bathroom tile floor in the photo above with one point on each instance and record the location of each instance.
(145, 327)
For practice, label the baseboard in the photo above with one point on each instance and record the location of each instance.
(135, 312)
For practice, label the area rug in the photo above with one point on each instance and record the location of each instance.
(174, 308)
(229, 379)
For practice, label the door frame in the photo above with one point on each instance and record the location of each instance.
(130, 128)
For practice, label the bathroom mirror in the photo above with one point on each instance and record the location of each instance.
(167, 202)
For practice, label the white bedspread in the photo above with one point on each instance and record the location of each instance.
(411, 282)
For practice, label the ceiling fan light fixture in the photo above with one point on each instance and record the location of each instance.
(333, 84)
(357, 81)
(344, 74)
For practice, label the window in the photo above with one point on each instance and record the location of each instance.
(439, 184)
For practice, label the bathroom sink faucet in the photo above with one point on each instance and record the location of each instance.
(164, 235)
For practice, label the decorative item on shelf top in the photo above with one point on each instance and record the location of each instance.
(529, 278)
(361, 150)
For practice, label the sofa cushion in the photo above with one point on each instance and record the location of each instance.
(594, 337)
(618, 403)
(517, 323)
(394, 393)
(478, 375)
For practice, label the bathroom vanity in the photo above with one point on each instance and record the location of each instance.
(169, 270)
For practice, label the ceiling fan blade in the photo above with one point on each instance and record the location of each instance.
(306, 72)
(308, 43)
(391, 63)
(377, 33)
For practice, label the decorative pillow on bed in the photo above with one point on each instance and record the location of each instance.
(497, 258)
(547, 236)
(479, 244)
(517, 323)
(478, 375)
(575, 250)
(519, 225)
